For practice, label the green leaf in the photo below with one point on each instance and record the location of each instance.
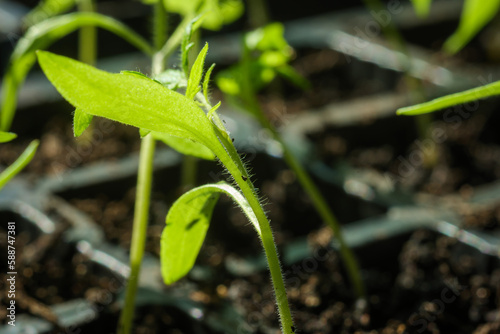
(228, 82)
(452, 99)
(130, 99)
(182, 7)
(221, 12)
(270, 37)
(422, 7)
(218, 12)
(41, 36)
(475, 15)
(187, 224)
(81, 121)
(206, 82)
(5, 137)
(172, 79)
(185, 146)
(193, 84)
(19, 164)
(134, 73)
(46, 9)
(186, 44)
(273, 59)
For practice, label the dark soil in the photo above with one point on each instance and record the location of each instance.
(50, 271)
(426, 284)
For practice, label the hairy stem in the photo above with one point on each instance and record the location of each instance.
(143, 191)
(235, 166)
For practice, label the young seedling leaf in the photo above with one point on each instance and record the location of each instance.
(229, 81)
(452, 99)
(19, 164)
(187, 224)
(129, 99)
(185, 58)
(475, 15)
(212, 113)
(186, 44)
(218, 12)
(172, 79)
(41, 36)
(270, 37)
(206, 82)
(81, 122)
(139, 74)
(46, 9)
(185, 146)
(6, 137)
(193, 85)
(422, 7)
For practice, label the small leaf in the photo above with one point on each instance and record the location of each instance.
(81, 121)
(139, 74)
(218, 12)
(185, 146)
(129, 99)
(172, 79)
(273, 59)
(6, 137)
(206, 82)
(186, 44)
(19, 164)
(187, 224)
(193, 85)
(422, 7)
(41, 36)
(228, 83)
(270, 37)
(47, 9)
(475, 15)
(452, 99)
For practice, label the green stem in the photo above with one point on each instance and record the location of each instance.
(175, 39)
(87, 49)
(188, 173)
(139, 231)
(236, 167)
(258, 13)
(143, 191)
